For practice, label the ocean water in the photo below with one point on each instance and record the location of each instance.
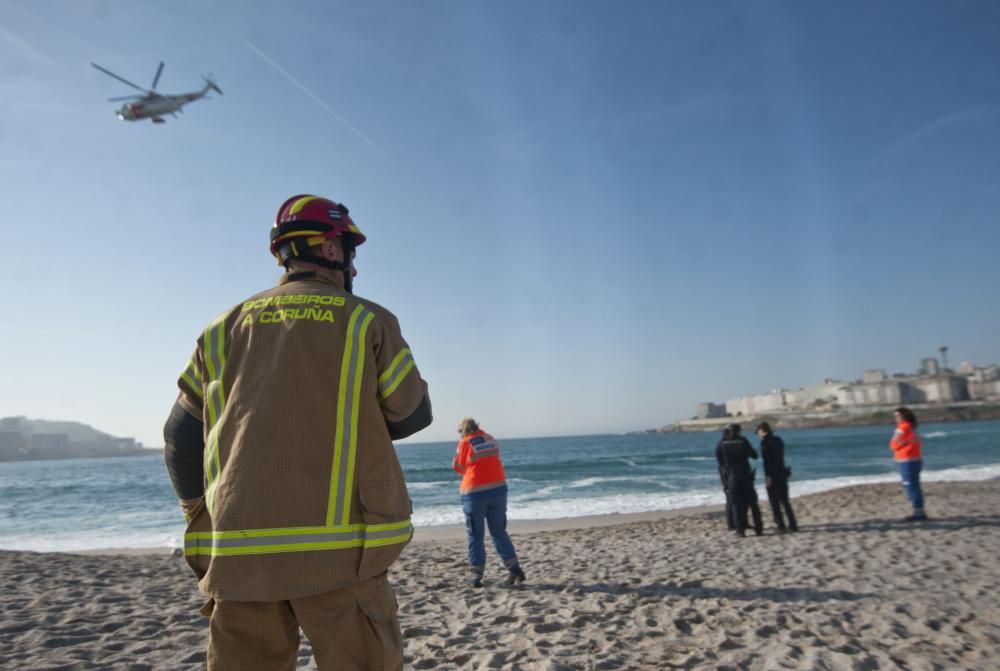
(93, 504)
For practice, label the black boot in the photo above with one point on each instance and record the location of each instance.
(758, 523)
(515, 575)
(475, 578)
(792, 523)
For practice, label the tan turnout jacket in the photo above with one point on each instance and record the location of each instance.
(303, 491)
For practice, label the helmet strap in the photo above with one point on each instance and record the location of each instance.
(347, 246)
(290, 252)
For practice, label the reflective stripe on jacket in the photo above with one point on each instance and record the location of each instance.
(303, 490)
(477, 458)
(905, 443)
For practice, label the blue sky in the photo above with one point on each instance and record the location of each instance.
(588, 216)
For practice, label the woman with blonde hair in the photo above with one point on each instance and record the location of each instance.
(484, 500)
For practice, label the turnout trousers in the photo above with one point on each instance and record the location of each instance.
(352, 629)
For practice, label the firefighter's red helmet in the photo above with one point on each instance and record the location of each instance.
(306, 220)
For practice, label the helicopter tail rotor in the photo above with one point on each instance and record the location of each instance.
(210, 83)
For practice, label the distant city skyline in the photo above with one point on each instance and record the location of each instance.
(930, 382)
(588, 217)
(964, 367)
(986, 375)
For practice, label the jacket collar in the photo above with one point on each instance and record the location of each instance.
(334, 277)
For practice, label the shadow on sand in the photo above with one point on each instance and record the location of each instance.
(955, 523)
(694, 589)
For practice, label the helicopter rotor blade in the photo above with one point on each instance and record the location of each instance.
(114, 100)
(121, 79)
(157, 77)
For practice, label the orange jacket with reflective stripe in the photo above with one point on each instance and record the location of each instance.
(477, 458)
(905, 443)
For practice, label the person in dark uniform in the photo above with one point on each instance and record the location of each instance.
(772, 450)
(734, 454)
(730, 510)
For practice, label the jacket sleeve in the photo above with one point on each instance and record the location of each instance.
(183, 450)
(901, 437)
(461, 461)
(183, 434)
(402, 393)
(191, 384)
(770, 453)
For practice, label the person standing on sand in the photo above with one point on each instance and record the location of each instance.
(724, 478)
(280, 450)
(905, 445)
(734, 454)
(484, 501)
(776, 474)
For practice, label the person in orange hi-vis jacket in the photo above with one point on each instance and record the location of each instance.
(905, 446)
(484, 500)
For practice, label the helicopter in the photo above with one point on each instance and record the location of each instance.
(152, 105)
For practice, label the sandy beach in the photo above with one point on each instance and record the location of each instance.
(855, 588)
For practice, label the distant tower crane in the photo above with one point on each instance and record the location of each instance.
(944, 358)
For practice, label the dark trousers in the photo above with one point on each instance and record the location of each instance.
(730, 512)
(758, 523)
(743, 500)
(777, 494)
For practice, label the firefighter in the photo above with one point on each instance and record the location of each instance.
(484, 501)
(280, 450)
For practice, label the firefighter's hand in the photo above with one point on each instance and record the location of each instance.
(189, 506)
